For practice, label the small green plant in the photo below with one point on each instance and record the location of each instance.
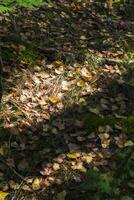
(10, 5)
(102, 183)
(28, 57)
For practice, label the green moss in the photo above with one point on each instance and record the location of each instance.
(93, 121)
(28, 56)
(128, 124)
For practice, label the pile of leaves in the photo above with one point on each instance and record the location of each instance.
(67, 110)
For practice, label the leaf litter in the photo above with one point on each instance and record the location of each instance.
(61, 150)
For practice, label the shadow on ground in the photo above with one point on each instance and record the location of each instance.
(69, 32)
(44, 150)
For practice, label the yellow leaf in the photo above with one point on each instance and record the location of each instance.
(72, 156)
(81, 83)
(3, 195)
(36, 184)
(53, 99)
(78, 70)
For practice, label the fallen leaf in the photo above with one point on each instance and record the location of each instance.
(94, 110)
(53, 99)
(79, 166)
(36, 184)
(105, 141)
(83, 37)
(85, 74)
(72, 155)
(65, 85)
(56, 166)
(58, 63)
(88, 159)
(46, 171)
(3, 195)
(81, 83)
(129, 143)
(121, 140)
(78, 70)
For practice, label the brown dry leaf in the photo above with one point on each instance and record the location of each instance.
(105, 141)
(26, 188)
(37, 68)
(58, 160)
(65, 85)
(85, 74)
(42, 102)
(79, 166)
(87, 158)
(45, 116)
(83, 37)
(58, 63)
(121, 140)
(101, 162)
(59, 70)
(46, 171)
(56, 166)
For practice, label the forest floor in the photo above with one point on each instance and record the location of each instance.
(67, 110)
